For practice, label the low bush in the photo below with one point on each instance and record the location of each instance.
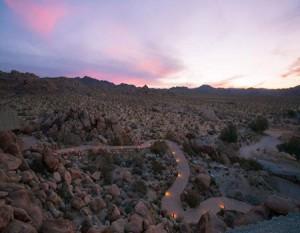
(247, 164)
(292, 147)
(105, 164)
(229, 134)
(157, 167)
(260, 124)
(159, 147)
(188, 148)
(291, 113)
(139, 187)
(192, 198)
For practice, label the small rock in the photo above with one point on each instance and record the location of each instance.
(97, 204)
(96, 175)
(57, 177)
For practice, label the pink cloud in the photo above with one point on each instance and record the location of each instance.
(40, 16)
(225, 83)
(294, 70)
(156, 67)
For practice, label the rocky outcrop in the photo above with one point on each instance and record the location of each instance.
(280, 205)
(210, 223)
(57, 226)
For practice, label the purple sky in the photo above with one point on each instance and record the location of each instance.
(161, 43)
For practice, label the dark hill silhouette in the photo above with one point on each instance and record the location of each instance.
(29, 83)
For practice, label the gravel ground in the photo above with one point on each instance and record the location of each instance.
(283, 224)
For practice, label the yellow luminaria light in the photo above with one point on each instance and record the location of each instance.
(167, 194)
(222, 206)
(174, 215)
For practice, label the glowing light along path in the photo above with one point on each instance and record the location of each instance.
(171, 201)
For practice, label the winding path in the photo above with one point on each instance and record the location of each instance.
(171, 201)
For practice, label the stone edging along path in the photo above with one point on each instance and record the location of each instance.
(171, 202)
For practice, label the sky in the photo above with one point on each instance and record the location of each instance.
(161, 43)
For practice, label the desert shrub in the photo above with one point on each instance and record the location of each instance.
(192, 198)
(247, 164)
(38, 166)
(253, 200)
(229, 134)
(292, 147)
(188, 148)
(171, 136)
(190, 136)
(157, 167)
(139, 187)
(291, 113)
(105, 164)
(260, 124)
(159, 147)
(64, 193)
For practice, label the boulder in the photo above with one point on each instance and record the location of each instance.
(141, 209)
(22, 215)
(6, 139)
(50, 160)
(97, 204)
(203, 181)
(27, 176)
(9, 144)
(9, 162)
(25, 200)
(57, 226)
(17, 226)
(255, 215)
(114, 213)
(135, 224)
(156, 229)
(114, 190)
(280, 205)
(77, 203)
(210, 223)
(118, 226)
(6, 215)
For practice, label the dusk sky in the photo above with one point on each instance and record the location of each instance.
(161, 43)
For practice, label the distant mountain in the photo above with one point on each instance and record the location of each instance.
(20, 83)
(206, 89)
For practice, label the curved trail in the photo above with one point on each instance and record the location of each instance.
(171, 202)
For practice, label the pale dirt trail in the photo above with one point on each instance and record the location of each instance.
(171, 202)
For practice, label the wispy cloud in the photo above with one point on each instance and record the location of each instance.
(294, 70)
(39, 16)
(227, 82)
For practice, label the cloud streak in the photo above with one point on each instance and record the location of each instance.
(39, 16)
(294, 70)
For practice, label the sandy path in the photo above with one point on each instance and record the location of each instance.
(171, 201)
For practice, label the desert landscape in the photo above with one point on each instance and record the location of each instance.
(144, 116)
(82, 155)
